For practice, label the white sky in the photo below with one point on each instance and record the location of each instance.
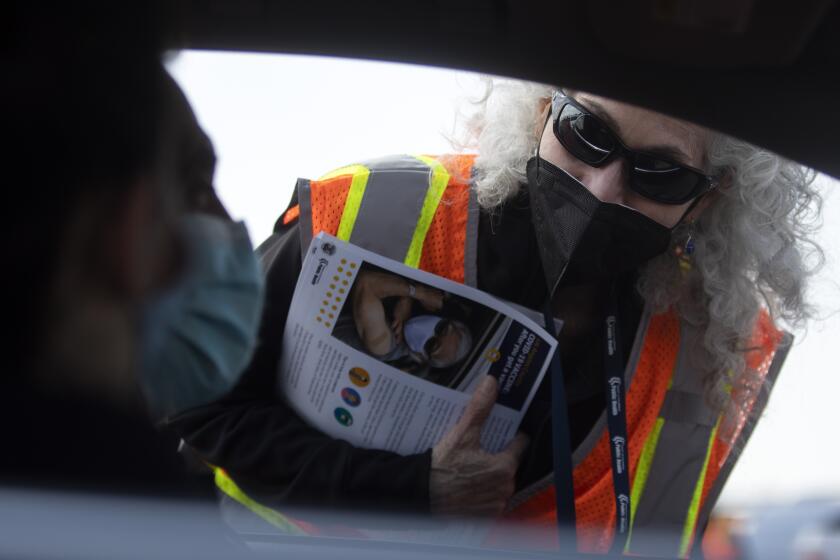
(273, 118)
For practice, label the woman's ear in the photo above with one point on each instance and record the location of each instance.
(710, 198)
(543, 108)
(705, 202)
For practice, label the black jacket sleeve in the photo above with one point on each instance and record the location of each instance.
(272, 453)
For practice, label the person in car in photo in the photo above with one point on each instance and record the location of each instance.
(672, 253)
(381, 324)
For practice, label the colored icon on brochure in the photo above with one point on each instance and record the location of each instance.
(351, 396)
(359, 377)
(343, 416)
(493, 355)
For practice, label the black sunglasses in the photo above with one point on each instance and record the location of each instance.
(590, 140)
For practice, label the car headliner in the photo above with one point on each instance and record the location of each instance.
(755, 69)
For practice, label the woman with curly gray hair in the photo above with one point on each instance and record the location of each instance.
(668, 251)
(704, 228)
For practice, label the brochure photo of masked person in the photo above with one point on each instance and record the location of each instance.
(419, 329)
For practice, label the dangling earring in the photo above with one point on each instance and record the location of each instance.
(685, 250)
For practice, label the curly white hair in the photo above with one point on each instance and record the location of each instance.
(753, 245)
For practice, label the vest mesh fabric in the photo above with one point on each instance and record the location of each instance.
(328, 197)
(443, 249)
(763, 344)
(444, 245)
(594, 495)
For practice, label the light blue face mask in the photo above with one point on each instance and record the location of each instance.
(197, 338)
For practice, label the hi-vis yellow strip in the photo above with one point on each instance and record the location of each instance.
(690, 526)
(437, 184)
(360, 175)
(229, 487)
(642, 472)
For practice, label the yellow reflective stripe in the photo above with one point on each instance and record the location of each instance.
(351, 206)
(439, 180)
(229, 487)
(694, 508)
(360, 175)
(642, 472)
(643, 469)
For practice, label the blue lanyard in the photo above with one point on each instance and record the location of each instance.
(617, 420)
(564, 490)
(616, 426)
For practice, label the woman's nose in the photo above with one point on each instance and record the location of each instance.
(608, 183)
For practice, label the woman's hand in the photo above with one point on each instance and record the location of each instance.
(465, 479)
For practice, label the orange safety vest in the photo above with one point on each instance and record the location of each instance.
(422, 211)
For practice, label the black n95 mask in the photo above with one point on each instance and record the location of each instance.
(582, 239)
